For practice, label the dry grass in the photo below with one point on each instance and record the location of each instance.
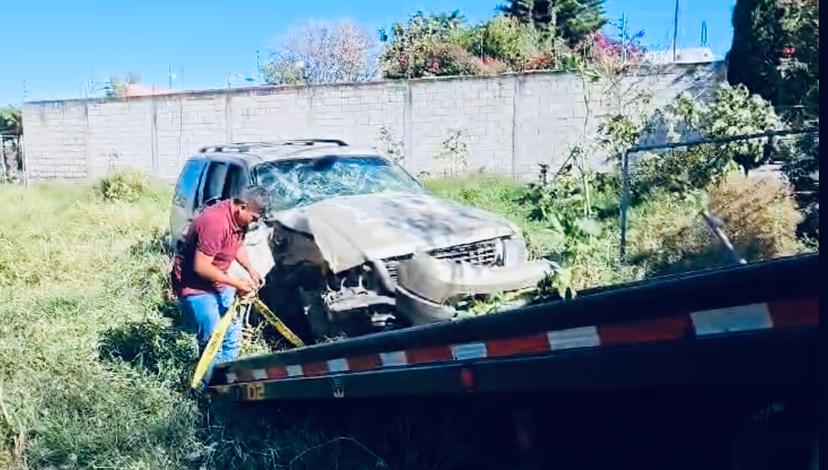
(759, 216)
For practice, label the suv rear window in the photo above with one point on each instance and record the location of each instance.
(185, 189)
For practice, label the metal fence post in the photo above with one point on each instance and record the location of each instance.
(625, 189)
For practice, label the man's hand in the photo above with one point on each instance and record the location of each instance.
(258, 280)
(243, 288)
(244, 261)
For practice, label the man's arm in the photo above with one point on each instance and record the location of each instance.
(203, 266)
(244, 261)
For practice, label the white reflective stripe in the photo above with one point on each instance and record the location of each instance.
(724, 320)
(466, 351)
(395, 358)
(259, 374)
(583, 337)
(294, 370)
(338, 365)
(231, 377)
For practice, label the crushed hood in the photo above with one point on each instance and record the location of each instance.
(351, 230)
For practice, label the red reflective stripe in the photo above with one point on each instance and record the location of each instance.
(645, 331)
(798, 312)
(315, 368)
(364, 362)
(277, 372)
(424, 355)
(522, 345)
(467, 378)
(244, 375)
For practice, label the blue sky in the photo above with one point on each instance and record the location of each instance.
(53, 47)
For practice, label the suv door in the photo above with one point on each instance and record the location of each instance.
(184, 198)
(215, 181)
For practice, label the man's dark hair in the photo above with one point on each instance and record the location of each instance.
(255, 197)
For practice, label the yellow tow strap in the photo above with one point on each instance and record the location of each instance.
(214, 344)
(277, 323)
(217, 337)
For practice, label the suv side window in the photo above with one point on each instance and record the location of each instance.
(235, 181)
(213, 183)
(185, 189)
(222, 181)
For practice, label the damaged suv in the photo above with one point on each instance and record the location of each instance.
(351, 242)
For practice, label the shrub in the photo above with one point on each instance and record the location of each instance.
(449, 59)
(505, 39)
(732, 111)
(125, 186)
(758, 215)
(801, 167)
(410, 47)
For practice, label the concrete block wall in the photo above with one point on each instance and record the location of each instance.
(509, 123)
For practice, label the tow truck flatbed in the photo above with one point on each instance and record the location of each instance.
(743, 325)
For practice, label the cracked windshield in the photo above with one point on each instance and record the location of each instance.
(296, 183)
(412, 234)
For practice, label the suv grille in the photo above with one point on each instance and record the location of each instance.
(479, 254)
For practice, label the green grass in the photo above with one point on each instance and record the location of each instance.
(502, 196)
(93, 366)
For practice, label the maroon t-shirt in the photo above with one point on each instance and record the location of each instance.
(215, 233)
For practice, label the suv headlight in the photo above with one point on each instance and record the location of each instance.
(513, 251)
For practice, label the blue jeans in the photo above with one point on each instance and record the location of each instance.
(202, 313)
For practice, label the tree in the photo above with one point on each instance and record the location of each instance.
(577, 19)
(775, 53)
(520, 9)
(323, 52)
(572, 20)
(11, 121)
(427, 45)
(119, 86)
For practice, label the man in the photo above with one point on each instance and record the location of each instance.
(199, 275)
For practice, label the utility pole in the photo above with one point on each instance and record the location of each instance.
(704, 34)
(675, 29)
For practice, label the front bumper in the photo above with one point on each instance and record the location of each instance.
(428, 287)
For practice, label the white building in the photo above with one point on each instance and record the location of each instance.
(688, 55)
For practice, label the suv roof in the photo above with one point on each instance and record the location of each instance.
(257, 152)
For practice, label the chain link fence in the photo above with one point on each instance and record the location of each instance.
(682, 201)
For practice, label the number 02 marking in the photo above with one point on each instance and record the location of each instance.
(254, 391)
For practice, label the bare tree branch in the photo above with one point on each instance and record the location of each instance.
(323, 52)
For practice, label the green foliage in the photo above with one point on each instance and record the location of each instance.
(425, 45)
(577, 19)
(438, 45)
(505, 39)
(572, 20)
(775, 53)
(801, 167)
(758, 215)
(11, 120)
(126, 186)
(575, 206)
(454, 151)
(732, 111)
